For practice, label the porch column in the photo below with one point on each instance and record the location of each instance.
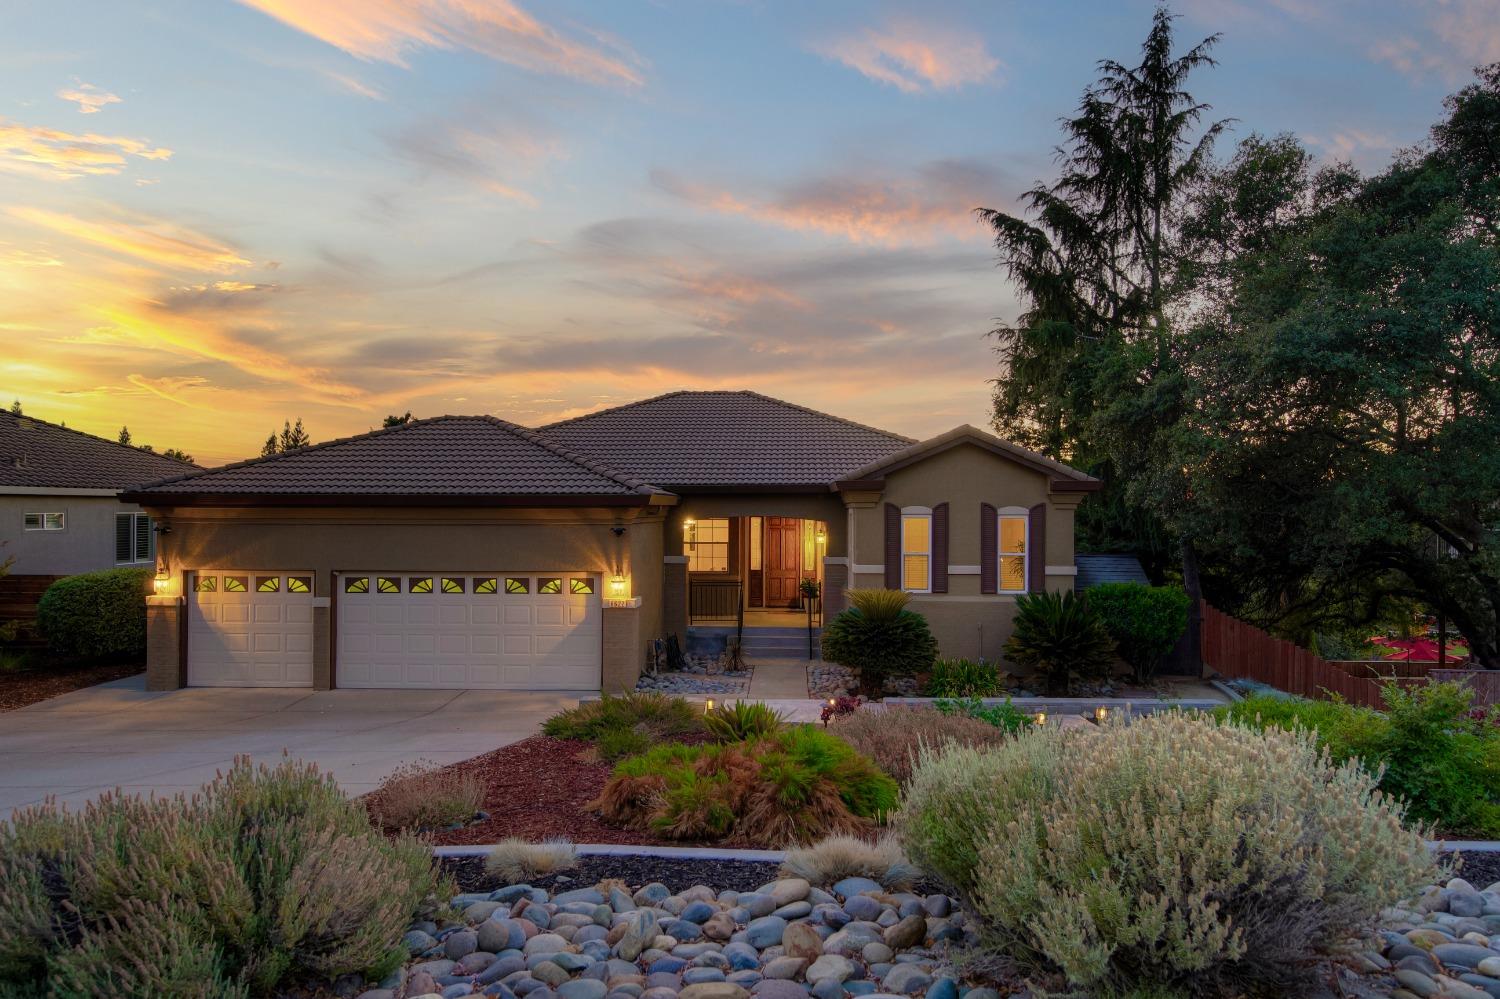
(623, 650)
(166, 667)
(674, 596)
(835, 586)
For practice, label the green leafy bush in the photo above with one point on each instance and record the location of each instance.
(1428, 748)
(1145, 621)
(96, 613)
(879, 637)
(742, 720)
(1176, 853)
(795, 785)
(1061, 638)
(893, 736)
(963, 678)
(624, 724)
(1004, 716)
(268, 877)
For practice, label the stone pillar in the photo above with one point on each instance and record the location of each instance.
(674, 597)
(624, 652)
(322, 644)
(835, 587)
(166, 659)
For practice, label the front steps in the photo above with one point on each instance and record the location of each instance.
(759, 643)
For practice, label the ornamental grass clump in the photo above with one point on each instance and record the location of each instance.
(1175, 853)
(422, 796)
(267, 878)
(621, 725)
(893, 736)
(834, 858)
(792, 786)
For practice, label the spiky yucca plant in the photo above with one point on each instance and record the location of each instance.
(879, 637)
(1059, 637)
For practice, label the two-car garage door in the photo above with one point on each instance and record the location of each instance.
(517, 630)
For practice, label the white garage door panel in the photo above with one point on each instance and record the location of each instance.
(243, 635)
(404, 630)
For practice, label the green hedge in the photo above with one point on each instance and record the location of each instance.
(96, 613)
(1145, 621)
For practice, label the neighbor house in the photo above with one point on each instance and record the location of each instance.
(60, 511)
(468, 552)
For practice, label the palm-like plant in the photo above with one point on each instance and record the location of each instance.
(1060, 637)
(878, 636)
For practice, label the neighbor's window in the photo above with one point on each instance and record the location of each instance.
(134, 541)
(708, 546)
(1012, 559)
(916, 552)
(44, 521)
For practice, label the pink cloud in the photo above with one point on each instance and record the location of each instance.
(914, 57)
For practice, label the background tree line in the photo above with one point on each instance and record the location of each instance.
(1287, 373)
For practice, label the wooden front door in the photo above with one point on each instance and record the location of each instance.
(782, 561)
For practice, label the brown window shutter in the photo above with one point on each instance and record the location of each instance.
(989, 549)
(892, 546)
(940, 548)
(1036, 545)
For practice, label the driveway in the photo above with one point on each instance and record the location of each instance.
(81, 744)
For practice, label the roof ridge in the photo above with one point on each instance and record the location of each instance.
(632, 482)
(744, 392)
(18, 417)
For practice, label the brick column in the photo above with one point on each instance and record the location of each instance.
(674, 597)
(322, 644)
(624, 652)
(835, 587)
(166, 660)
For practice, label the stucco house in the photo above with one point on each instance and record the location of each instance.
(60, 511)
(469, 552)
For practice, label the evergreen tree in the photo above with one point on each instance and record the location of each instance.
(124, 437)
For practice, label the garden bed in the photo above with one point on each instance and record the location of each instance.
(29, 685)
(636, 870)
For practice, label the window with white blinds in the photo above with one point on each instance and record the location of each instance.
(134, 539)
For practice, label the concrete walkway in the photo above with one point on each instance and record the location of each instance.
(81, 744)
(778, 680)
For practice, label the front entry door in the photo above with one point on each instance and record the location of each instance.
(783, 550)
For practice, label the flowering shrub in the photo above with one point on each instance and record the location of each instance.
(839, 707)
(1174, 852)
(892, 737)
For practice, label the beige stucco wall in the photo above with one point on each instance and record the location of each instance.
(329, 540)
(85, 544)
(965, 621)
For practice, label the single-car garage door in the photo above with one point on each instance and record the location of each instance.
(250, 629)
(502, 630)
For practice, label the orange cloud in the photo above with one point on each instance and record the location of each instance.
(88, 97)
(914, 57)
(936, 205)
(152, 240)
(168, 388)
(55, 154)
(386, 30)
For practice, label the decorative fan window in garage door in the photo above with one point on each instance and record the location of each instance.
(452, 585)
(357, 584)
(485, 584)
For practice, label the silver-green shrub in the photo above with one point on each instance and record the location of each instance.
(1174, 853)
(269, 876)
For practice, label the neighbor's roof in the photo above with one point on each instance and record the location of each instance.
(35, 454)
(1096, 569)
(740, 440)
(445, 456)
(1063, 478)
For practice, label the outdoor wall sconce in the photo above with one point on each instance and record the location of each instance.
(163, 580)
(690, 531)
(619, 588)
(822, 536)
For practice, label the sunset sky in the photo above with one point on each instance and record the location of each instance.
(218, 215)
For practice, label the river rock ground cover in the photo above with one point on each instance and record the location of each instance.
(785, 939)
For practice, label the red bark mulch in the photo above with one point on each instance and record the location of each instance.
(33, 684)
(536, 790)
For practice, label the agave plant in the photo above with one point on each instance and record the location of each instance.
(742, 720)
(1060, 637)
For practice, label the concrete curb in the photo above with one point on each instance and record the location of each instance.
(1076, 705)
(627, 850)
(1464, 845)
(1225, 689)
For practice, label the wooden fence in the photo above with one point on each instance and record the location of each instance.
(1242, 651)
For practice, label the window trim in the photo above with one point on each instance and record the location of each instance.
(42, 517)
(1003, 514)
(693, 546)
(923, 513)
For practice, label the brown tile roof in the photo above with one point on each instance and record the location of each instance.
(726, 439)
(38, 454)
(457, 456)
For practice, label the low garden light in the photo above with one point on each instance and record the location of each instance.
(1100, 714)
(708, 706)
(619, 588)
(1041, 719)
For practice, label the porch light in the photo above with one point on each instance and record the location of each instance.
(163, 580)
(689, 530)
(619, 588)
(822, 536)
